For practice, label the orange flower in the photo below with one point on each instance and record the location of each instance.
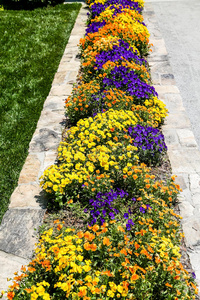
(123, 251)
(82, 292)
(56, 221)
(59, 227)
(95, 228)
(31, 270)
(80, 234)
(135, 176)
(116, 254)
(169, 285)
(10, 295)
(89, 236)
(134, 277)
(70, 201)
(136, 245)
(107, 272)
(120, 228)
(92, 247)
(106, 241)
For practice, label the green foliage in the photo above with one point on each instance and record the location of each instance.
(28, 4)
(32, 44)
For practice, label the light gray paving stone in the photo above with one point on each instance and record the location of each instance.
(166, 89)
(18, 231)
(174, 103)
(177, 120)
(54, 103)
(191, 230)
(9, 265)
(28, 195)
(171, 137)
(167, 79)
(30, 170)
(46, 139)
(194, 181)
(62, 90)
(186, 210)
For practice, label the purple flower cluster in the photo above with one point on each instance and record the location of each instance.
(124, 79)
(150, 142)
(98, 8)
(117, 53)
(129, 221)
(94, 27)
(103, 207)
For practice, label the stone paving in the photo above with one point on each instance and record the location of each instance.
(183, 151)
(18, 231)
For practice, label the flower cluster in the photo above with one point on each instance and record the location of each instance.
(131, 246)
(103, 262)
(149, 141)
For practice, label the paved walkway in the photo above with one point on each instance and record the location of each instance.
(183, 151)
(179, 22)
(27, 206)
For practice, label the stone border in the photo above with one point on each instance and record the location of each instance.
(183, 151)
(20, 224)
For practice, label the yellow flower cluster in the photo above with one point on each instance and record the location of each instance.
(103, 262)
(128, 15)
(94, 145)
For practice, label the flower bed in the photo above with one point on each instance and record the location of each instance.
(130, 248)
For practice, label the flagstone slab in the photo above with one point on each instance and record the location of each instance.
(18, 231)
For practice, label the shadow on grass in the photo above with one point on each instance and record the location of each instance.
(28, 4)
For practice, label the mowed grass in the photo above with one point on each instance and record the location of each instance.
(31, 46)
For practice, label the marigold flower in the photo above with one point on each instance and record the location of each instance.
(10, 295)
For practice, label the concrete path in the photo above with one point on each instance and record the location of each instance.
(18, 230)
(183, 151)
(179, 22)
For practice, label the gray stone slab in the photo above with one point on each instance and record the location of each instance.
(177, 120)
(18, 231)
(47, 139)
(9, 265)
(174, 103)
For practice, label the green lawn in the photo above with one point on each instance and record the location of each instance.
(31, 46)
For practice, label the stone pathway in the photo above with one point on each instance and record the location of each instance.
(182, 147)
(18, 230)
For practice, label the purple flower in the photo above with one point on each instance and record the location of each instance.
(94, 27)
(142, 210)
(130, 222)
(102, 206)
(149, 141)
(126, 215)
(193, 275)
(127, 80)
(117, 53)
(128, 227)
